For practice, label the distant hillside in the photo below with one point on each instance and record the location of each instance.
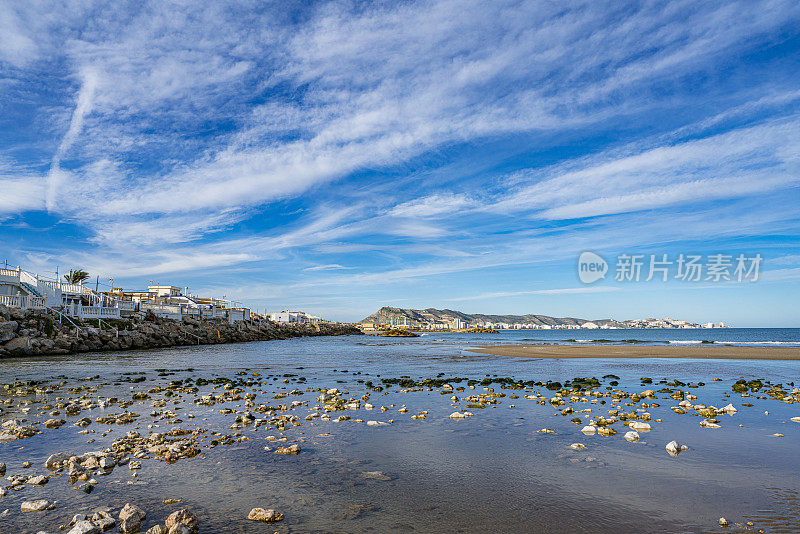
(431, 315)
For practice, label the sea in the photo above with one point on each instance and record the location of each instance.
(510, 467)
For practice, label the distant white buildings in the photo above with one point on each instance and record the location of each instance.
(21, 289)
(287, 316)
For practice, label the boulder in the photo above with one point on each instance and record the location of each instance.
(291, 449)
(184, 517)
(7, 329)
(674, 448)
(84, 527)
(54, 461)
(19, 345)
(632, 436)
(130, 518)
(264, 515)
(37, 506)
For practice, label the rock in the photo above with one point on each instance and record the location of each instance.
(54, 461)
(639, 426)
(589, 430)
(795, 419)
(158, 529)
(7, 329)
(577, 446)
(265, 516)
(130, 518)
(376, 423)
(184, 517)
(84, 527)
(19, 345)
(457, 415)
(39, 480)
(37, 506)
(730, 409)
(54, 423)
(104, 522)
(710, 423)
(291, 449)
(632, 436)
(2, 469)
(674, 448)
(375, 475)
(723, 522)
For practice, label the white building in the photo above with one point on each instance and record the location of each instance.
(287, 316)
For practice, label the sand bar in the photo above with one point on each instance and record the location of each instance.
(726, 352)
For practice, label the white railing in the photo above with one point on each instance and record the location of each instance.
(96, 312)
(126, 305)
(22, 301)
(66, 287)
(10, 273)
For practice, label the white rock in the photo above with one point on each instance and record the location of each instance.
(577, 446)
(589, 430)
(376, 423)
(639, 425)
(37, 506)
(705, 423)
(796, 419)
(84, 527)
(52, 463)
(632, 436)
(674, 448)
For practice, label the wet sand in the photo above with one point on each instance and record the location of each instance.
(643, 351)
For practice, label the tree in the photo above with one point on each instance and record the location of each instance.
(76, 276)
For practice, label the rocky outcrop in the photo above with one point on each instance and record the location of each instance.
(38, 332)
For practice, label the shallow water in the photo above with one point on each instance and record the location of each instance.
(490, 472)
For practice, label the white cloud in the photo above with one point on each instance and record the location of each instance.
(83, 106)
(561, 291)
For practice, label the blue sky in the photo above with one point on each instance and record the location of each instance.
(341, 156)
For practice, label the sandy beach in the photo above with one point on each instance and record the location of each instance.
(726, 352)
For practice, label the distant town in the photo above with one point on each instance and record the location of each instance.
(75, 295)
(451, 320)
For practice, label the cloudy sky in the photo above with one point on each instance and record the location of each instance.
(341, 156)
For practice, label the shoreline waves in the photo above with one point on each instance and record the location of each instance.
(726, 352)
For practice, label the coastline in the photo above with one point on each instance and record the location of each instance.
(37, 332)
(725, 352)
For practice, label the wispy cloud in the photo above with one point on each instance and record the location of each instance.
(563, 291)
(329, 267)
(83, 106)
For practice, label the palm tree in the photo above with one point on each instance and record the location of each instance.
(76, 276)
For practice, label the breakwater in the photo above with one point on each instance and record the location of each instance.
(39, 332)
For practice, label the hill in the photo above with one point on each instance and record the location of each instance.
(390, 315)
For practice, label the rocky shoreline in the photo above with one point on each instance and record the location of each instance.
(39, 332)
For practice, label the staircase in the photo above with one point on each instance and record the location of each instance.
(33, 291)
